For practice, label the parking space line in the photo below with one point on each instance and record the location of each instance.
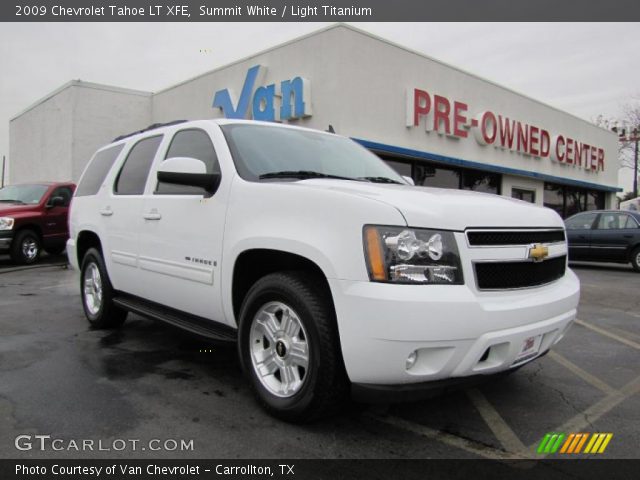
(606, 333)
(503, 432)
(594, 412)
(447, 438)
(624, 333)
(586, 376)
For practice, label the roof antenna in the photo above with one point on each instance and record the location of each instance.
(330, 129)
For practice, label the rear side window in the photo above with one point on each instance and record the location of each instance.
(97, 170)
(193, 143)
(134, 172)
(611, 221)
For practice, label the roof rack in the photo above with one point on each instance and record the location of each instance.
(150, 127)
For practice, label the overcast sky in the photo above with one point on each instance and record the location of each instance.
(585, 69)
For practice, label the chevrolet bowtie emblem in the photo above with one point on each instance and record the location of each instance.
(538, 252)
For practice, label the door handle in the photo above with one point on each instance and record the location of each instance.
(106, 212)
(628, 236)
(152, 216)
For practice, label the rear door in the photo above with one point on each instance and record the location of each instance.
(579, 235)
(121, 215)
(608, 240)
(181, 232)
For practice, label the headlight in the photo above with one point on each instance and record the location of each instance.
(411, 255)
(6, 223)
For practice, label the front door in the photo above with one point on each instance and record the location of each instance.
(579, 235)
(55, 229)
(181, 239)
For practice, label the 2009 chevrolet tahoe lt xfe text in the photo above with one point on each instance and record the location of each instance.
(326, 267)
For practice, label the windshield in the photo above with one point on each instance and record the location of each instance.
(24, 194)
(274, 152)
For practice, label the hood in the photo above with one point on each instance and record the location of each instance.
(13, 208)
(446, 208)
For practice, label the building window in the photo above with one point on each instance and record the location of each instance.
(575, 201)
(402, 168)
(568, 201)
(430, 176)
(595, 201)
(480, 181)
(524, 194)
(554, 197)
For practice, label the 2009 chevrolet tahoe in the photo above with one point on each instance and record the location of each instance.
(325, 266)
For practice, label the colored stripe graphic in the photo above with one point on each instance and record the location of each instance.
(567, 443)
(598, 442)
(551, 442)
(573, 448)
(574, 443)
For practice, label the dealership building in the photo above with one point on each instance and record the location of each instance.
(436, 123)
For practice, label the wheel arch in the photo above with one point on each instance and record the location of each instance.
(253, 264)
(29, 226)
(87, 239)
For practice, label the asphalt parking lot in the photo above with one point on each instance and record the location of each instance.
(149, 381)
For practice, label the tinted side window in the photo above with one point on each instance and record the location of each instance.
(97, 170)
(630, 223)
(611, 221)
(133, 175)
(580, 222)
(65, 193)
(193, 143)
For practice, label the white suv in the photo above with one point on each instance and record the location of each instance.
(328, 269)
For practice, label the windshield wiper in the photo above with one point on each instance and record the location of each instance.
(380, 180)
(302, 174)
(8, 200)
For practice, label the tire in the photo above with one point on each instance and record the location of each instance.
(284, 317)
(98, 294)
(26, 247)
(635, 259)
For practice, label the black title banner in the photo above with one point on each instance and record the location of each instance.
(316, 11)
(122, 469)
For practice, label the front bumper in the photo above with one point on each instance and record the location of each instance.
(71, 254)
(6, 238)
(456, 331)
(412, 392)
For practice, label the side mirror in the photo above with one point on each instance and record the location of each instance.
(190, 172)
(409, 180)
(55, 202)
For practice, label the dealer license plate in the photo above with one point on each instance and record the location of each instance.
(530, 348)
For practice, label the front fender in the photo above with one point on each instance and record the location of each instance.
(321, 225)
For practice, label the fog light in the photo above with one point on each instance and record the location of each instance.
(411, 360)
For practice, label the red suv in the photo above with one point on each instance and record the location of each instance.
(33, 217)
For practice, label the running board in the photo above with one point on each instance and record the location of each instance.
(200, 326)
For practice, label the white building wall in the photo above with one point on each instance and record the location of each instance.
(359, 85)
(100, 115)
(40, 141)
(55, 138)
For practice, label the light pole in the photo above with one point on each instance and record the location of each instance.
(629, 135)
